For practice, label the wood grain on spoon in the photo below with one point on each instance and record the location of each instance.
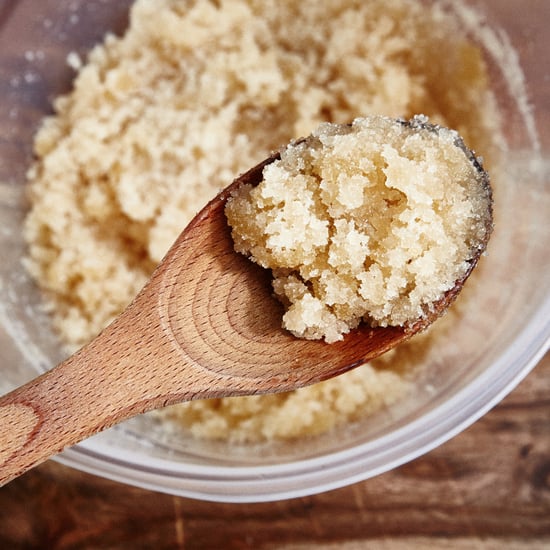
(204, 326)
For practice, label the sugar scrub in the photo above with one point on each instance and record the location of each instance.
(194, 93)
(372, 221)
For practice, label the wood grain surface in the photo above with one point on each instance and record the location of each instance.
(488, 488)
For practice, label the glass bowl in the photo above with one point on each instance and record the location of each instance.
(491, 345)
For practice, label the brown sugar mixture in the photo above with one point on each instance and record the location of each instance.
(194, 93)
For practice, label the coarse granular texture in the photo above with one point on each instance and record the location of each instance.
(308, 411)
(196, 92)
(372, 221)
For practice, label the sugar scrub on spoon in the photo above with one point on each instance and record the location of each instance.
(372, 221)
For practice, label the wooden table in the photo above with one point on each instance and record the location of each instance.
(488, 488)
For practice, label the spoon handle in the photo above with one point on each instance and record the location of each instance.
(83, 395)
(130, 368)
(31, 431)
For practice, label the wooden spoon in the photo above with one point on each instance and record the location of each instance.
(204, 326)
